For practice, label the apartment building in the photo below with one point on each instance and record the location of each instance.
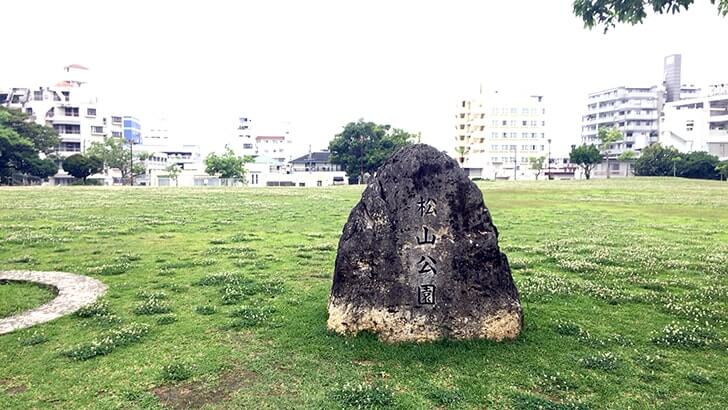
(496, 134)
(636, 112)
(697, 124)
(156, 132)
(264, 138)
(71, 108)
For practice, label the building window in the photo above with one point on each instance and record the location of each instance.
(38, 95)
(689, 125)
(91, 112)
(525, 111)
(97, 130)
(505, 135)
(69, 147)
(116, 120)
(524, 135)
(533, 123)
(504, 123)
(514, 111)
(247, 146)
(29, 111)
(70, 111)
(67, 128)
(514, 135)
(525, 123)
(116, 134)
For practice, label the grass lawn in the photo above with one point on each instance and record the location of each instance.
(16, 297)
(217, 297)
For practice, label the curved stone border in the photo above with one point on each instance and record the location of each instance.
(74, 292)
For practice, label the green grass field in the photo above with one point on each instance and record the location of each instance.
(217, 297)
(16, 297)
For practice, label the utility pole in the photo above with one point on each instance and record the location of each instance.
(131, 161)
(674, 166)
(515, 162)
(549, 159)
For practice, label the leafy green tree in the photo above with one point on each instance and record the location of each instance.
(700, 165)
(14, 150)
(586, 157)
(44, 139)
(81, 166)
(627, 156)
(227, 165)
(173, 172)
(537, 165)
(362, 147)
(611, 12)
(656, 160)
(21, 144)
(116, 154)
(42, 168)
(462, 151)
(722, 169)
(607, 137)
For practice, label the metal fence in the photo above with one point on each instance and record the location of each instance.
(219, 182)
(20, 180)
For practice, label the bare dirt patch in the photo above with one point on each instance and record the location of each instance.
(194, 395)
(11, 389)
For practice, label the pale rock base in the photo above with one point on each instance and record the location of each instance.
(394, 327)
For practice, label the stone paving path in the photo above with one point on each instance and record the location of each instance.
(74, 292)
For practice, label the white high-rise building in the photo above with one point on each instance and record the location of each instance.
(635, 111)
(71, 108)
(632, 110)
(156, 132)
(697, 124)
(496, 134)
(270, 139)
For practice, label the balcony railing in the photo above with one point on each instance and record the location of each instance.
(720, 136)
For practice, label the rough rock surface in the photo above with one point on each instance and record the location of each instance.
(419, 260)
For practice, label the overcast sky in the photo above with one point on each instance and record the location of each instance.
(321, 64)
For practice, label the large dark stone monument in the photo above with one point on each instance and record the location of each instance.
(419, 260)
